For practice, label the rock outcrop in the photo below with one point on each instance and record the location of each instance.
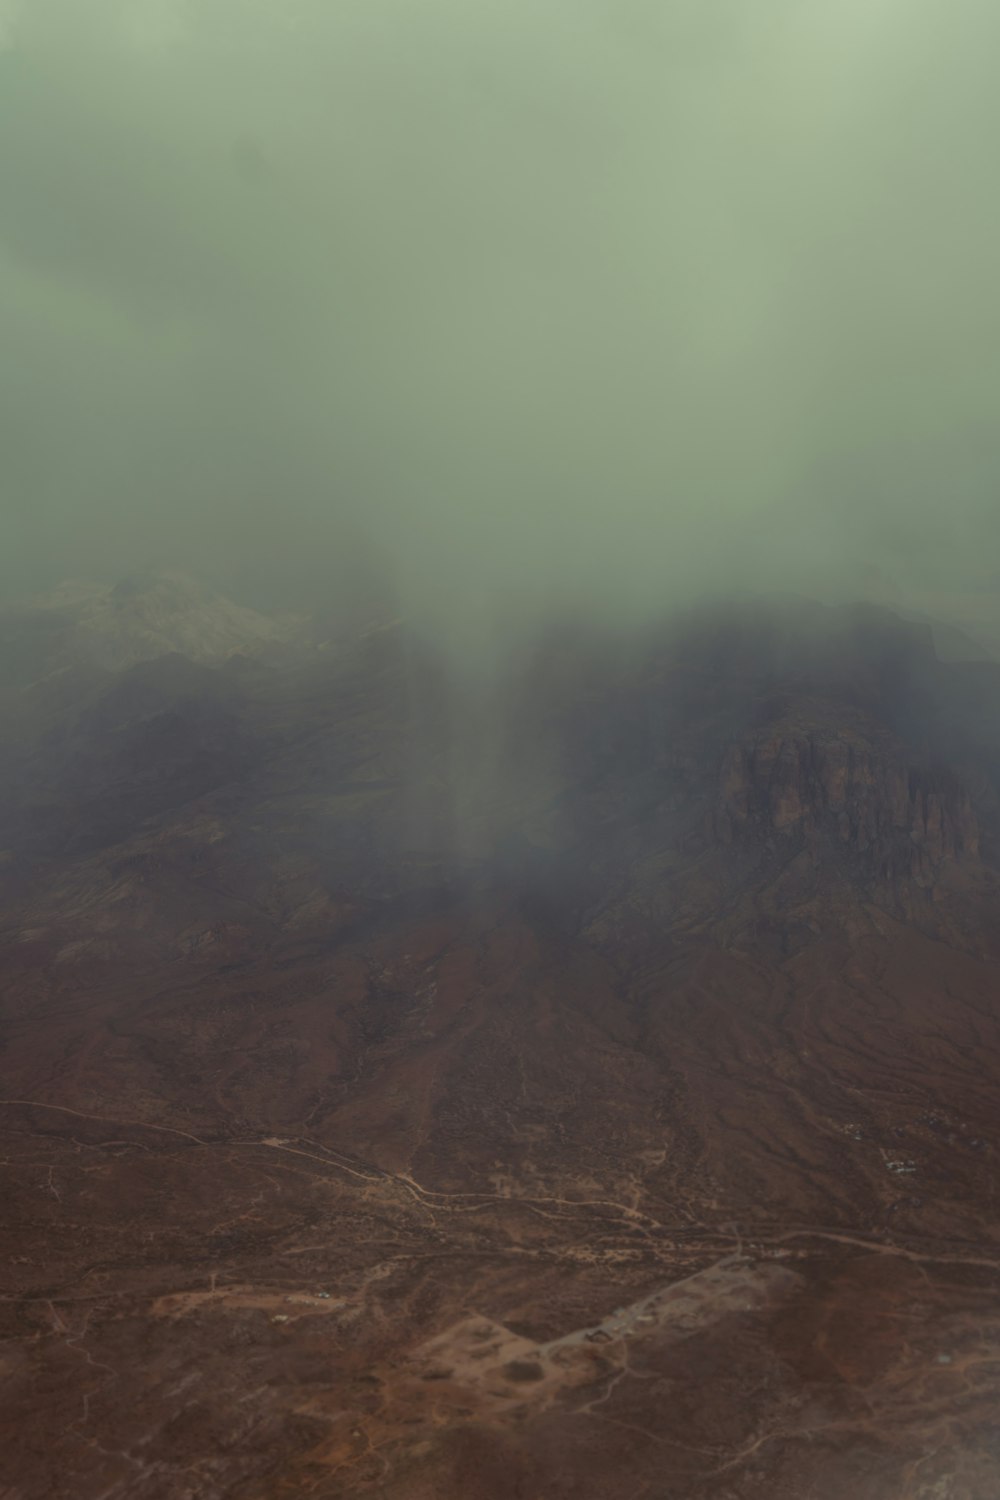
(898, 819)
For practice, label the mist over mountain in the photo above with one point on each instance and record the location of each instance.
(499, 750)
(512, 308)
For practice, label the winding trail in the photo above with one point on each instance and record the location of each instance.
(437, 1199)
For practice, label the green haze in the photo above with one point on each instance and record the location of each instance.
(527, 303)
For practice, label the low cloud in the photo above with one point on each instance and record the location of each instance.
(517, 307)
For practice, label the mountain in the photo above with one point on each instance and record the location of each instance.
(584, 1088)
(114, 626)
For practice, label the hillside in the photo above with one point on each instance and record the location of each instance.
(593, 1094)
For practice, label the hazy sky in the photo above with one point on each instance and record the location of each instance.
(602, 299)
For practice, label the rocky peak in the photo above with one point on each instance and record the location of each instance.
(858, 792)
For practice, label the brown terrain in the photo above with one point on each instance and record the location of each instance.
(586, 1089)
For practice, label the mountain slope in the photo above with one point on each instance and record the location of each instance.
(592, 1098)
(114, 626)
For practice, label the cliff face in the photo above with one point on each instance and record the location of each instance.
(898, 819)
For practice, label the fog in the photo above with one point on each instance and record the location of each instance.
(508, 306)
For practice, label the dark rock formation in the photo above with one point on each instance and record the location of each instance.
(901, 821)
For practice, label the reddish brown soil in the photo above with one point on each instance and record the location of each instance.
(667, 1169)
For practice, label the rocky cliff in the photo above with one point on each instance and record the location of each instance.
(899, 819)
